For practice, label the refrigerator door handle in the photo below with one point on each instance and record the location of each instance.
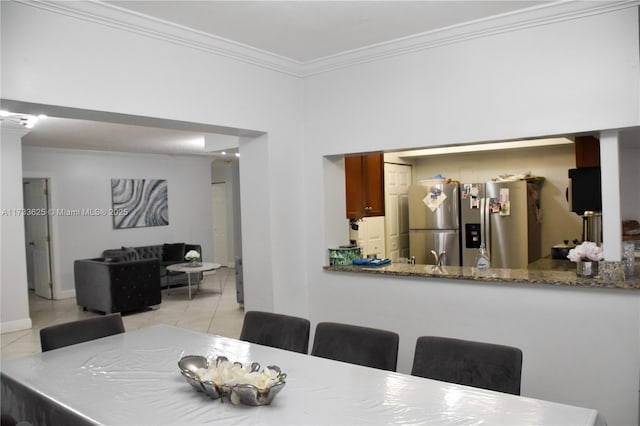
(484, 217)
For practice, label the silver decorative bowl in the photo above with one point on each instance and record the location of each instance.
(239, 393)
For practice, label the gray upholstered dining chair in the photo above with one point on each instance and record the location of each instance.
(465, 362)
(7, 420)
(366, 346)
(71, 333)
(276, 330)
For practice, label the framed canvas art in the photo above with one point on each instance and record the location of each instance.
(140, 203)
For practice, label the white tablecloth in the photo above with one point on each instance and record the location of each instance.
(133, 379)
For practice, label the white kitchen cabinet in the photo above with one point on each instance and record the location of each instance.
(370, 236)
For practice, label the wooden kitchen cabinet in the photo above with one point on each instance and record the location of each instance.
(364, 180)
(587, 151)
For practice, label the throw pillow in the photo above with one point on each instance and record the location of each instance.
(173, 252)
(131, 253)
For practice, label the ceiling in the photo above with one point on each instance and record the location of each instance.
(101, 136)
(298, 30)
(310, 30)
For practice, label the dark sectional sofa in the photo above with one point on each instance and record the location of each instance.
(129, 278)
(166, 254)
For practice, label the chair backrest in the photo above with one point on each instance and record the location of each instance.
(70, 333)
(366, 346)
(478, 364)
(276, 330)
(7, 420)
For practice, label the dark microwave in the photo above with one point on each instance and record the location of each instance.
(585, 191)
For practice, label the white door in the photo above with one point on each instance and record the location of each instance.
(397, 179)
(37, 238)
(220, 234)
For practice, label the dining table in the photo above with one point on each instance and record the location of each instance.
(133, 378)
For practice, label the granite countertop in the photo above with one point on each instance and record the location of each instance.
(558, 274)
(549, 264)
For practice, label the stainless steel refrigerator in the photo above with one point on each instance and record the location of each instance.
(434, 223)
(506, 217)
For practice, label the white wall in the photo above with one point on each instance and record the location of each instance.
(536, 81)
(580, 346)
(14, 311)
(54, 58)
(82, 180)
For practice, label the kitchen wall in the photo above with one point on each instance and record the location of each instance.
(82, 180)
(550, 162)
(581, 346)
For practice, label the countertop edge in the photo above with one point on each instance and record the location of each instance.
(493, 275)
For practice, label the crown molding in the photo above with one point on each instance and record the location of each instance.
(526, 18)
(127, 20)
(130, 21)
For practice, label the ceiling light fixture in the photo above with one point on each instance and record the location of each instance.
(485, 147)
(26, 120)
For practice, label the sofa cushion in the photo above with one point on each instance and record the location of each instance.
(173, 252)
(117, 255)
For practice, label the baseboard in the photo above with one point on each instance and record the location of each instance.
(17, 325)
(229, 265)
(65, 294)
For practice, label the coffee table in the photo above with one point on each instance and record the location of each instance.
(189, 268)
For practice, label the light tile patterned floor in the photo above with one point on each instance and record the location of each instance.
(209, 311)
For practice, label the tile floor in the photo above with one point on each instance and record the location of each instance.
(209, 311)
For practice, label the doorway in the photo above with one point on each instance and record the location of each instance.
(37, 236)
(397, 178)
(220, 223)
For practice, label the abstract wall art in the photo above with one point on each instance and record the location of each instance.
(139, 203)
